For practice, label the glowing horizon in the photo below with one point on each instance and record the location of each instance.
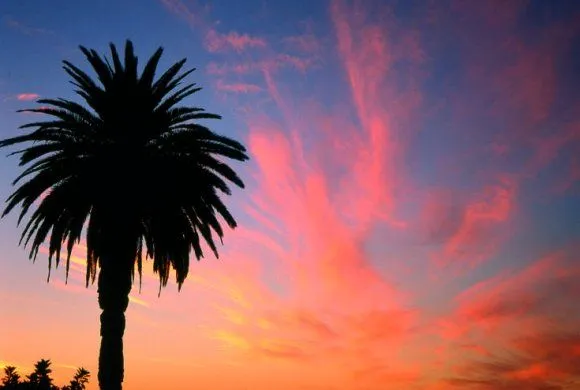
(409, 218)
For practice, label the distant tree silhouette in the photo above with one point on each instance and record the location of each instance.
(11, 379)
(40, 378)
(139, 171)
(79, 381)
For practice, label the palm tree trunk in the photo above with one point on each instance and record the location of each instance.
(115, 282)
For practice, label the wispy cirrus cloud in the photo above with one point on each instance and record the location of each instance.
(523, 327)
(322, 195)
(527, 130)
(470, 232)
(391, 233)
(197, 17)
(216, 42)
(306, 43)
(237, 87)
(272, 63)
(320, 249)
(25, 28)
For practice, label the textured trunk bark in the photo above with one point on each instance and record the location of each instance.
(114, 287)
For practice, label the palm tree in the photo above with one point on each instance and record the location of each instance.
(79, 381)
(11, 378)
(40, 378)
(141, 173)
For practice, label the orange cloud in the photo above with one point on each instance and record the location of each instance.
(523, 314)
(544, 361)
(491, 302)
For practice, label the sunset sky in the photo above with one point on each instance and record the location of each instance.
(412, 212)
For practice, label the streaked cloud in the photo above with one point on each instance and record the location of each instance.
(216, 42)
(25, 28)
(238, 87)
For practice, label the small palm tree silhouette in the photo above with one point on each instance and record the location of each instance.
(11, 379)
(40, 378)
(79, 381)
(141, 173)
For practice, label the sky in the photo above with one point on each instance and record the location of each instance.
(411, 218)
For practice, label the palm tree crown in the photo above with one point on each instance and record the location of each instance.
(131, 166)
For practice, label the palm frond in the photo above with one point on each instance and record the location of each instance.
(127, 161)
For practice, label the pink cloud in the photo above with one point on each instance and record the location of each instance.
(216, 42)
(321, 229)
(194, 17)
(237, 87)
(474, 236)
(319, 241)
(299, 63)
(375, 66)
(214, 68)
(198, 18)
(305, 43)
(516, 82)
(27, 96)
(269, 63)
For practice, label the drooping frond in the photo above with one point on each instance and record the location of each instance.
(137, 170)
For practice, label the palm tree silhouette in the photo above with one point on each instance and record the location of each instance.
(40, 378)
(141, 173)
(79, 381)
(11, 380)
